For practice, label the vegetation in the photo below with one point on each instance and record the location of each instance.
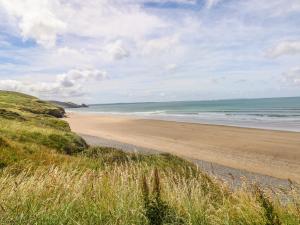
(48, 175)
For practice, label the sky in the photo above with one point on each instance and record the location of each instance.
(104, 51)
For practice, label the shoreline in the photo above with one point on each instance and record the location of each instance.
(182, 119)
(271, 153)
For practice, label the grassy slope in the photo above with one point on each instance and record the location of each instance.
(48, 175)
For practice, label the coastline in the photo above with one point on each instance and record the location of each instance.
(272, 153)
(260, 125)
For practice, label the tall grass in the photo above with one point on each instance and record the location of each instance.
(129, 193)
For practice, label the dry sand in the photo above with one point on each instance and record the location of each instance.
(273, 153)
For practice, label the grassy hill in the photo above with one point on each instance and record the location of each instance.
(49, 175)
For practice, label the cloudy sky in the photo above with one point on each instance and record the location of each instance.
(99, 51)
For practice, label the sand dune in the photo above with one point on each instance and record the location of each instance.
(273, 153)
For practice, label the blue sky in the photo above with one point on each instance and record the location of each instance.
(100, 51)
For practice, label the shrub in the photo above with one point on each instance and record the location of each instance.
(107, 154)
(50, 122)
(9, 115)
(66, 143)
(63, 142)
(157, 211)
(55, 111)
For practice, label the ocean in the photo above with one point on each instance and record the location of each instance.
(267, 113)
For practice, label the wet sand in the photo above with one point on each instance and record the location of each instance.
(272, 153)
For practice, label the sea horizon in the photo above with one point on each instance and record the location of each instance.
(192, 100)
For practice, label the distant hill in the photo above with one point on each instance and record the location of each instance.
(68, 104)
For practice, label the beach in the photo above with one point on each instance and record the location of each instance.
(266, 152)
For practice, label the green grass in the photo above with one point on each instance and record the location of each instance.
(48, 175)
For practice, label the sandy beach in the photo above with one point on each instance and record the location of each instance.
(273, 153)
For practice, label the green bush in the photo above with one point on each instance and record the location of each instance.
(109, 155)
(68, 143)
(9, 115)
(50, 122)
(55, 112)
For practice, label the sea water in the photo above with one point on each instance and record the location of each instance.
(267, 113)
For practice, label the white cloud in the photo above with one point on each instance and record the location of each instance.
(162, 1)
(36, 19)
(116, 50)
(285, 48)
(171, 67)
(66, 51)
(275, 8)
(69, 84)
(293, 76)
(177, 1)
(44, 20)
(111, 20)
(212, 3)
(4, 43)
(76, 77)
(31, 88)
(160, 45)
(11, 85)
